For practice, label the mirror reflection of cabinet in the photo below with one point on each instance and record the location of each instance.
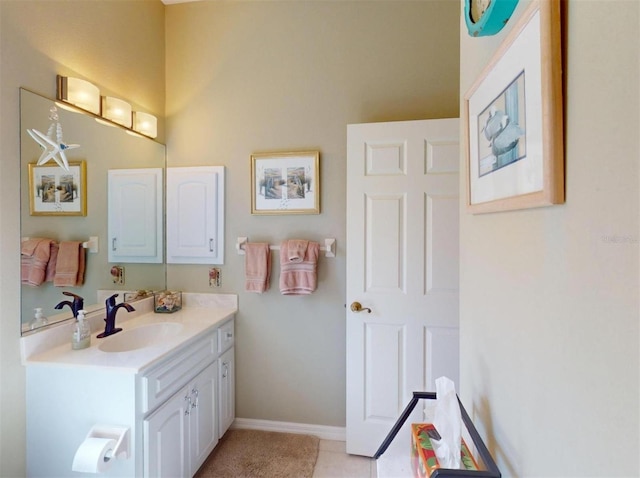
(195, 215)
(135, 215)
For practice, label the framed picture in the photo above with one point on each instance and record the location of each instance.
(285, 183)
(56, 192)
(513, 119)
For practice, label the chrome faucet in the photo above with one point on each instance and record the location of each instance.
(110, 320)
(75, 306)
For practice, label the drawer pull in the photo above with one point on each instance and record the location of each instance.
(225, 374)
(194, 403)
(187, 410)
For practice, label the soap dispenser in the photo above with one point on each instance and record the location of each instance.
(39, 319)
(81, 338)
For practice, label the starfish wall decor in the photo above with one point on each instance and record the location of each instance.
(52, 149)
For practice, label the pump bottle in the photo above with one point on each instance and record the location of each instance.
(81, 338)
(39, 319)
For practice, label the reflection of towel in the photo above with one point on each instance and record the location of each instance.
(70, 264)
(298, 278)
(34, 258)
(296, 249)
(53, 258)
(257, 267)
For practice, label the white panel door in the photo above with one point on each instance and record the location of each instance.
(402, 263)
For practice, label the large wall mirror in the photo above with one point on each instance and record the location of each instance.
(102, 147)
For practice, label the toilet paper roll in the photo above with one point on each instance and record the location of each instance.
(94, 455)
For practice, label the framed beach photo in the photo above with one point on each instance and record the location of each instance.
(285, 183)
(513, 119)
(53, 191)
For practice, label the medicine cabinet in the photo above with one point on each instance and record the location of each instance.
(195, 215)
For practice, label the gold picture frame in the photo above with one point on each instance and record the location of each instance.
(513, 119)
(285, 183)
(53, 191)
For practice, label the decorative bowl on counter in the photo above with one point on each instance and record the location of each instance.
(167, 301)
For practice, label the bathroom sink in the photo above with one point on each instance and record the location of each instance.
(140, 337)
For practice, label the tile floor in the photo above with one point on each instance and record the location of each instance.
(333, 462)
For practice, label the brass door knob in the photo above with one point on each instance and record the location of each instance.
(357, 307)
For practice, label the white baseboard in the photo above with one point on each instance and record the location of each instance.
(321, 431)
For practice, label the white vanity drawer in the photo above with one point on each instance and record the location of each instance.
(226, 336)
(162, 381)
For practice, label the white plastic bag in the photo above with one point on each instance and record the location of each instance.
(448, 422)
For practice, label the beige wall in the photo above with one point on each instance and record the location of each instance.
(119, 45)
(549, 297)
(245, 77)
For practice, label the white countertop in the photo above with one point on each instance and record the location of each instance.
(194, 319)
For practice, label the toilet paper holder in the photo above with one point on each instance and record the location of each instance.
(119, 434)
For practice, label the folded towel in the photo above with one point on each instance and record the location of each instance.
(34, 257)
(296, 249)
(70, 264)
(257, 267)
(298, 278)
(51, 265)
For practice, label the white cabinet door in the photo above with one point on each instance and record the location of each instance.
(135, 215)
(195, 215)
(226, 391)
(203, 431)
(180, 435)
(166, 438)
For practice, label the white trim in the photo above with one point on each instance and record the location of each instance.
(321, 431)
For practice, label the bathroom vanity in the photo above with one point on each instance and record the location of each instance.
(169, 378)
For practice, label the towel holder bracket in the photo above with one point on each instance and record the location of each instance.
(91, 244)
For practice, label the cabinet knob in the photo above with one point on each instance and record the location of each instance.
(229, 335)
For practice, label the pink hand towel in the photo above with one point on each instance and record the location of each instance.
(299, 278)
(257, 267)
(70, 264)
(51, 265)
(296, 249)
(34, 257)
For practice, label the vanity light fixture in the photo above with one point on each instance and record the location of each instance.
(116, 110)
(145, 124)
(106, 109)
(79, 93)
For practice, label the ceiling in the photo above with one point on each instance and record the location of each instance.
(171, 2)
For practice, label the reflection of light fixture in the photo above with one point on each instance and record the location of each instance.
(145, 123)
(134, 134)
(116, 110)
(80, 93)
